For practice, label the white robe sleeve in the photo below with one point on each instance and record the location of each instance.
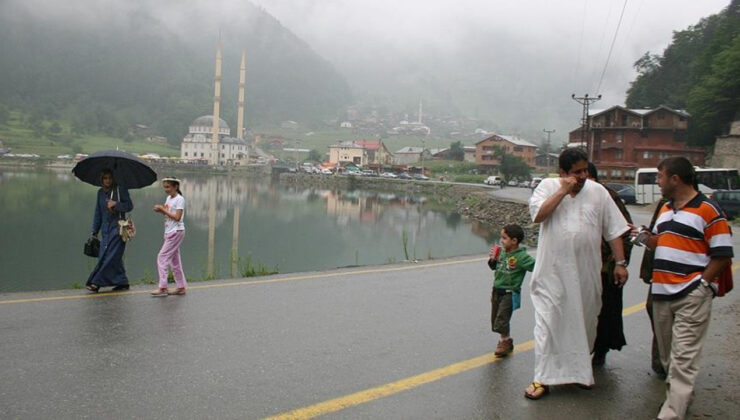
(613, 223)
(543, 191)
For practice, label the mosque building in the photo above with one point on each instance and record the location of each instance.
(209, 137)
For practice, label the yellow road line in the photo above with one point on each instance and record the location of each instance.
(401, 385)
(253, 282)
(371, 394)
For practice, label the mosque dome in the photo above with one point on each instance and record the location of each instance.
(207, 121)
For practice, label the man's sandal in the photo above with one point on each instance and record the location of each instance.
(536, 390)
(93, 288)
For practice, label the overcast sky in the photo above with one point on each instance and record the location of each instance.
(568, 39)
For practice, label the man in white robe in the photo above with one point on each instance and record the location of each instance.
(574, 213)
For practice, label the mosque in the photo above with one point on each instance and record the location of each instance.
(209, 137)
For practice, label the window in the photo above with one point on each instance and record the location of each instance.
(518, 149)
(616, 173)
(624, 120)
(647, 155)
(186, 153)
(619, 135)
(618, 154)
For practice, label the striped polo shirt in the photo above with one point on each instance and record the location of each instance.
(688, 239)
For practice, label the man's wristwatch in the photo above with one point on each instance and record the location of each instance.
(623, 263)
(710, 285)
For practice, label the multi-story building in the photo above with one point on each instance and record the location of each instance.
(360, 152)
(484, 150)
(623, 140)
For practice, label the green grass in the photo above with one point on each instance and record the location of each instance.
(21, 139)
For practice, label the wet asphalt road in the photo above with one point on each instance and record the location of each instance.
(256, 348)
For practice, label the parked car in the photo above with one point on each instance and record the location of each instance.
(368, 172)
(326, 171)
(624, 191)
(421, 177)
(729, 201)
(388, 175)
(404, 175)
(511, 183)
(523, 184)
(493, 180)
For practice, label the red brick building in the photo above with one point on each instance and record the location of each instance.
(624, 140)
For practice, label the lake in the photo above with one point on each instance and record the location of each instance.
(232, 224)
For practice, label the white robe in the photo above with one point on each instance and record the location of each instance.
(566, 282)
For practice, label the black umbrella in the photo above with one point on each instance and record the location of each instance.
(128, 170)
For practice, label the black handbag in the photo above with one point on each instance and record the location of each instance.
(92, 247)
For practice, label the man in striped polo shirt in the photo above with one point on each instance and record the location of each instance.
(693, 245)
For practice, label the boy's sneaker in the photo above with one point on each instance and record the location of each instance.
(504, 348)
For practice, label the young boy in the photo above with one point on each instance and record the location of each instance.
(510, 265)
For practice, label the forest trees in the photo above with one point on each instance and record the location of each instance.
(699, 72)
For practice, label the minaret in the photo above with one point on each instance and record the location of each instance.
(240, 104)
(216, 106)
(419, 111)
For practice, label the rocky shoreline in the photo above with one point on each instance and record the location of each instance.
(470, 200)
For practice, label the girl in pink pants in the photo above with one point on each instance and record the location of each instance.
(174, 232)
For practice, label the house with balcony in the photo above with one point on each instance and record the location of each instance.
(513, 145)
(622, 140)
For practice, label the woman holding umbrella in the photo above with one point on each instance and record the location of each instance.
(112, 201)
(115, 172)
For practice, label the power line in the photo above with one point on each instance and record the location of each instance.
(616, 31)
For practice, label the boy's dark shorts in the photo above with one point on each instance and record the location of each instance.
(500, 311)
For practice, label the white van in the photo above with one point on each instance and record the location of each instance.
(493, 180)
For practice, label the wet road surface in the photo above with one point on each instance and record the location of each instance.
(397, 341)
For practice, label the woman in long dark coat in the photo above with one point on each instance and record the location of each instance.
(113, 201)
(610, 329)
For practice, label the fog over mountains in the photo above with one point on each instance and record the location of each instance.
(511, 65)
(152, 62)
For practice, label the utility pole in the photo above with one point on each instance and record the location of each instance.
(547, 148)
(586, 101)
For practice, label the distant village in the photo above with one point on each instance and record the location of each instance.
(620, 140)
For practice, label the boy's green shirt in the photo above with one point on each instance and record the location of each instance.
(511, 268)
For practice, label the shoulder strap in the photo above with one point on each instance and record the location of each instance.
(121, 214)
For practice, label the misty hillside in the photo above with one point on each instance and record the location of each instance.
(104, 66)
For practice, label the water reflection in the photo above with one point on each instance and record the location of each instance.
(228, 220)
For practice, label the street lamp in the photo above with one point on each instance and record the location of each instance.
(422, 156)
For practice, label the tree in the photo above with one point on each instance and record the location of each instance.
(697, 72)
(457, 152)
(510, 166)
(315, 156)
(55, 128)
(717, 97)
